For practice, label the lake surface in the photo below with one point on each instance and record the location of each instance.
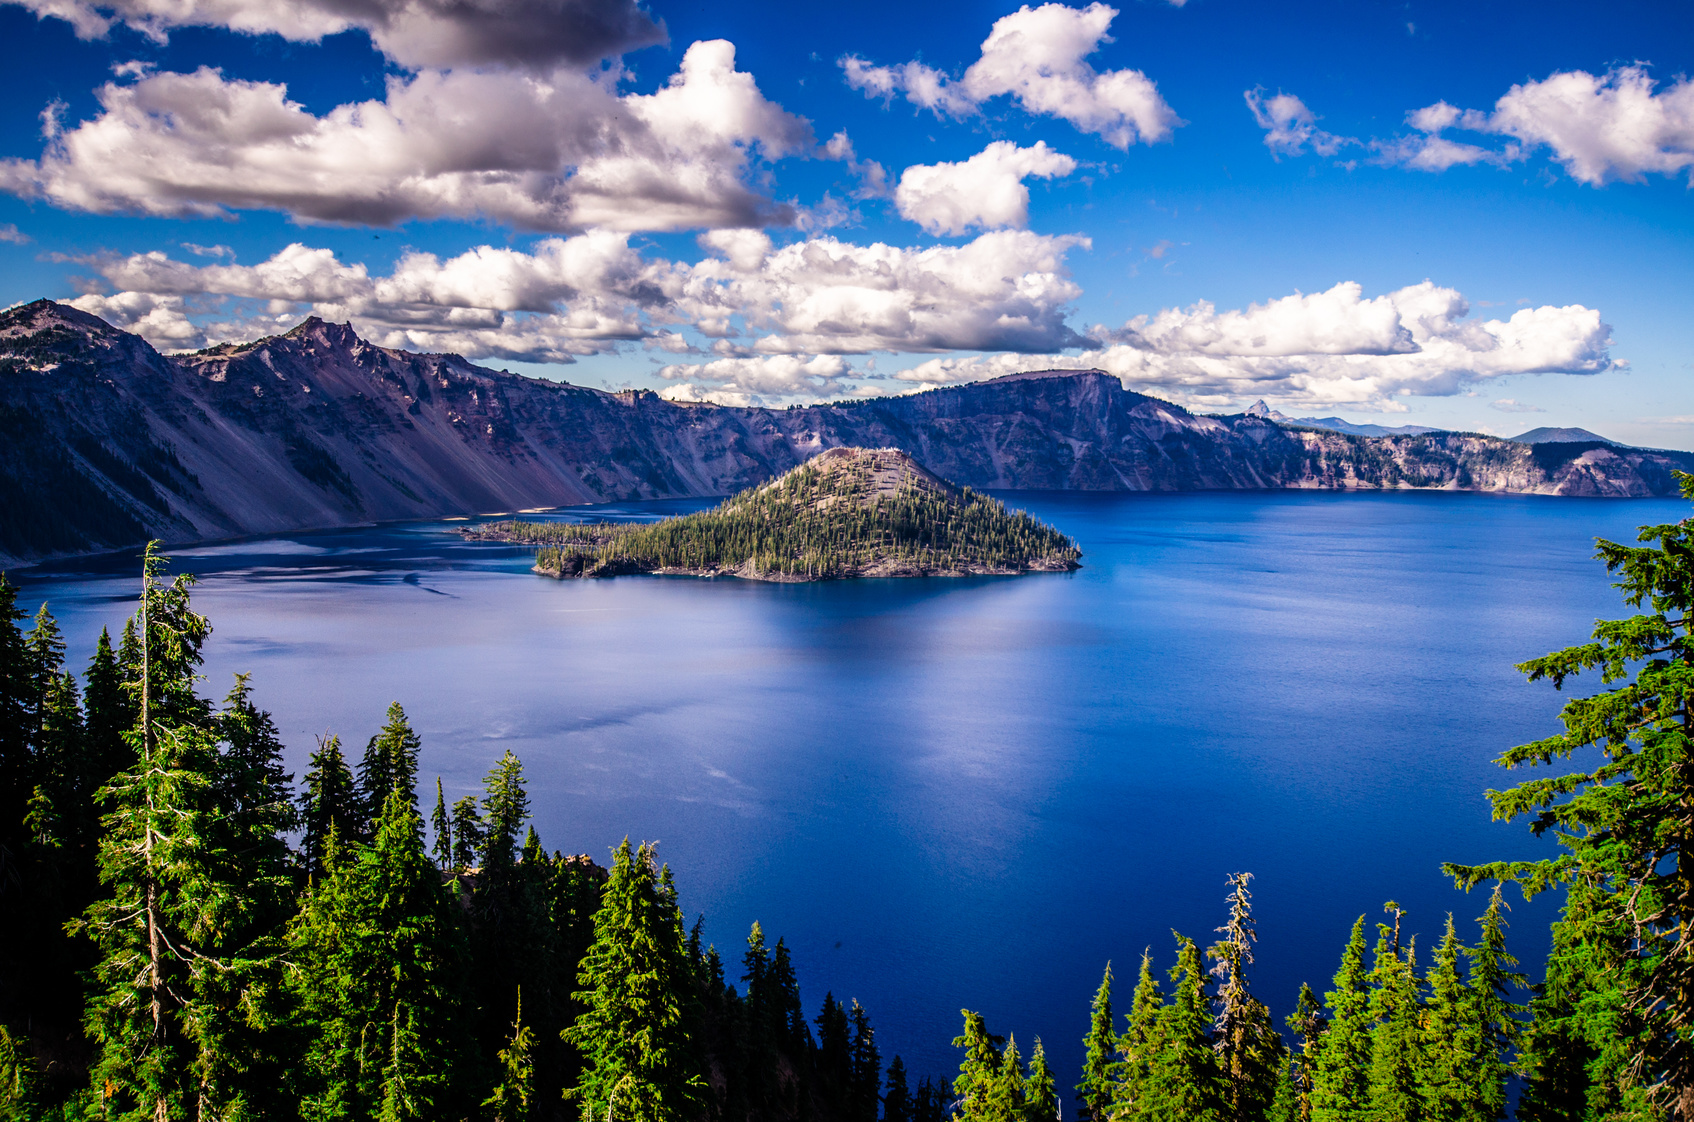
(949, 793)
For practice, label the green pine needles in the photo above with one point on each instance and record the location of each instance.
(847, 512)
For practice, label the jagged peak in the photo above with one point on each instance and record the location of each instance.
(38, 315)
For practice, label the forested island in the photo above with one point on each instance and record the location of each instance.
(847, 512)
(186, 936)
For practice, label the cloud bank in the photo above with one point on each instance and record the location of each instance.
(983, 192)
(561, 151)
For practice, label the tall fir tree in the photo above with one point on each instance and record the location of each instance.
(979, 1072)
(441, 827)
(864, 1084)
(381, 956)
(1094, 1093)
(330, 812)
(1493, 1015)
(1308, 1024)
(635, 1032)
(1183, 1081)
(1622, 946)
(184, 935)
(467, 833)
(1250, 1051)
(1341, 1071)
(390, 764)
(17, 770)
(505, 809)
(1450, 1074)
(1041, 1098)
(897, 1100)
(1396, 1010)
(108, 713)
(1139, 1046)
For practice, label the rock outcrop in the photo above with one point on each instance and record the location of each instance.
(106, 442)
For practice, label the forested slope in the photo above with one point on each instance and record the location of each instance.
(107, 443)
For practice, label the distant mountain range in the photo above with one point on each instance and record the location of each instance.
(108, 443)
(1541, 435)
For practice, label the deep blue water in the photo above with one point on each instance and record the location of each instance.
(949, 793)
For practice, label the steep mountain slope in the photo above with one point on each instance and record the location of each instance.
(104, 442)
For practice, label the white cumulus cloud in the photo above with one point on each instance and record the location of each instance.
(1600, 127)
(986, 191)
(560, 151)
(1330, 349)
(1037, 57)
(414, 33)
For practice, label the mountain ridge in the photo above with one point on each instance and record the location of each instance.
(107, 442)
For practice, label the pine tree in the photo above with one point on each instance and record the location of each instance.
(1491, 1014)
(1249, 1049)
(932, 1101)
(182, 935)
(897, 1100)
(381, 959)
(108, 713)
(1450, 1076)
(1308, 1024)
(505, 809)
(864, 1085)
(834, 1061)
(979, 1071)
(1627, 828)
(1341, 1071)
(1396, 1008)
(17, 770)
(330, 811)
(639, 1013)
(1007, 1099)
(390, 764)
(514, 1093)
(1094, 1093)
(467, 833)
(1183, 1081)
(1041, 1093)
(1139, 1046)
(442, 827)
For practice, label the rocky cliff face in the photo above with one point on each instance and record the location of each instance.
(104, 442)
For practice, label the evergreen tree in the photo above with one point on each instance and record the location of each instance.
(505, 809)
(1308, 1024)
(1492, 1016)
(1249, 1049)
(1094, 1093)
(1341, 1071)
(1007, 1099)
(17, 770)
(1450, 1075)
(1627, 827)
(18, 1082)
(865, 1082)
(1139, 1045)
(108, 713)
(44, 648)
(442, 827)
(932, 1101)
(381, 961)
(514, 1093)
(639, 1012)
(979, 1072)
(1042, 1093)
(1396, 1009)
(897, 1100)
(255, 790)
(330, 811)
(182, 934)
(834, 1060)
(1183, 1081)
(467, 833)
(390, 764)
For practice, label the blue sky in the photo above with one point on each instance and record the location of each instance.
(1466, 215)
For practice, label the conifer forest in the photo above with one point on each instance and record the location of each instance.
(189, 932)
